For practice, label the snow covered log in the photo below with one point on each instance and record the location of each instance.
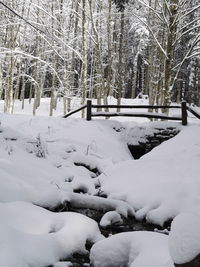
(99, 203)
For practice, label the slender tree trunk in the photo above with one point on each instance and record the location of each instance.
(170, 49)
(109, 67)
(84, 55)
(9, 87)
(120, 68)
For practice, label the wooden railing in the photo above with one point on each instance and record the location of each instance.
(193, 111)
(75, 111)
(183, 107)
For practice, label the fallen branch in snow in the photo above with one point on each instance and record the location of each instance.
(97, 203)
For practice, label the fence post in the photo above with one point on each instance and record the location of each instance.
(184, 112)
(89, 110)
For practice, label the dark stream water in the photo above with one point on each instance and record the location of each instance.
(129, 224)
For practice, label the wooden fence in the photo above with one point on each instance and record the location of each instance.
(183, 114)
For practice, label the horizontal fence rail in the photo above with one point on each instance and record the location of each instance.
(136, 114)
(194, 112)
(75, 111)
(134, 106)
(183, 107)
(150, 115)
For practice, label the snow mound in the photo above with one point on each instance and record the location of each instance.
(184, 238)
(33, 236)
(135, 249)
(162, 183)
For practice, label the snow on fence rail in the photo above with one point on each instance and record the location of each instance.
(89, 114)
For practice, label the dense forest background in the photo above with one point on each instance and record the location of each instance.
(99, 48)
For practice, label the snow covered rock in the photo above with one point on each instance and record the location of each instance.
(184, 240)
(109, 218)
(134, 249)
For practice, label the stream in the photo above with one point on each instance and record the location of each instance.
(145, 145)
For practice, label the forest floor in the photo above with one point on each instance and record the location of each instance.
(71, 192)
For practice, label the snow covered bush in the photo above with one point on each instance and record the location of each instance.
(40, 147)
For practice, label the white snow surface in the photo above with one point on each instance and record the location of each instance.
(164, 182)
(33, 236)
(184, 244)
(134, 249)
(44, 159)
(44, 181)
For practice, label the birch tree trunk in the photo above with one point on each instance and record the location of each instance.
(100, 87)
(170, 49)
(110, 59)
(120, 66)
(84, 56)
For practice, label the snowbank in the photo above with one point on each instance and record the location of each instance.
(162, 183)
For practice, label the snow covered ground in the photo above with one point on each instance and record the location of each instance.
(45, 160)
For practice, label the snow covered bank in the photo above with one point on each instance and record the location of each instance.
(33, 236)
(162, 183)
(37, 156)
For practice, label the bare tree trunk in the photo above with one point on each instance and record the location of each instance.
(100, 87)
(1, 81)
(170, 49)
(9, 88)
(109, 66)
(84, 55)
(120, 68)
